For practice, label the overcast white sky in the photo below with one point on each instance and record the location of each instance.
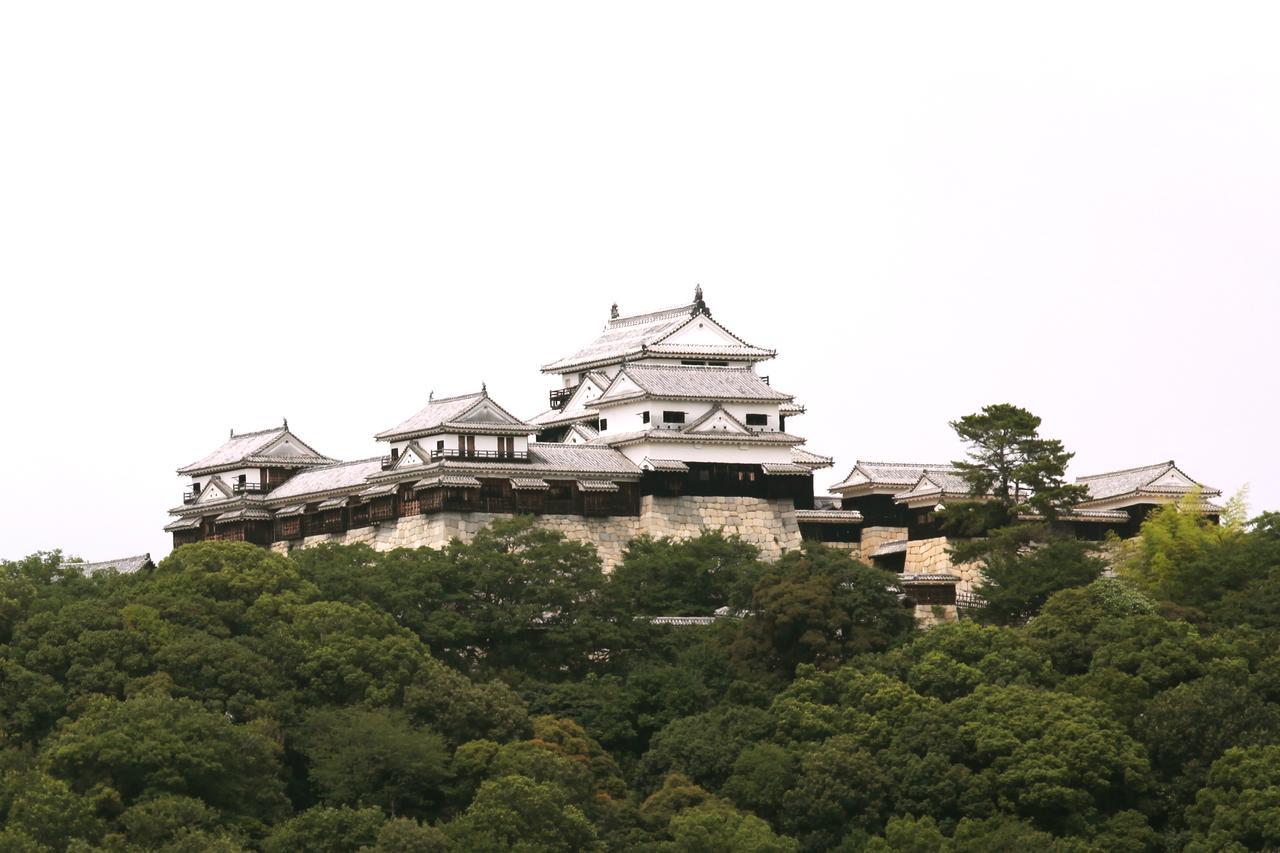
(215, 215)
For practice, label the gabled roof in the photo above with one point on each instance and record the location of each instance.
(682, 382)
(547, 458)
(887, 477)
(704, 425)
(1163, 479)
(628, 337)
(276, 447)
(466, 413)
(583, 433)
(215, 484)
(935, 484)
(123, 565)
(578, 407)
(329, 478)
(811, 460)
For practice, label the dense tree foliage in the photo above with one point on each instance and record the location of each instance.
(507, 694)
(1009, 461)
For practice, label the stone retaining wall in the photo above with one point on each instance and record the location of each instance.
(770, 525)
(930, 557)
(874, 537)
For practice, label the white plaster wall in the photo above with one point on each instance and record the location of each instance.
(738, 454)
(251, 475)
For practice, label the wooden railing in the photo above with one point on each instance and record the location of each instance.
(454, 453)
(560, 396)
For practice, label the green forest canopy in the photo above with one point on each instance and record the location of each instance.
(506, 694)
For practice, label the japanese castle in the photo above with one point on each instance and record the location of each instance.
(662, 424)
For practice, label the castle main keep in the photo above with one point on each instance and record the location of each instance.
(662, 425)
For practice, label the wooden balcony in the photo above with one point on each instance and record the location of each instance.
(247, 488)
(481, 455)
(560, 396)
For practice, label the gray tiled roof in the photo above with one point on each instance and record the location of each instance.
(784, 468)
(669, 465)
(672, 435)
(1163, 478)
(328, 478)
(243, 514)
(447, 412)
(897, 546)
(889, 474)
(935, 482)
(123, 565)
(698, 383)
(829, 516)
(533, 484)
(800, 456)
(462, 481)
(625, 337)
(575, 409)
(246, 447)
(547, 457)
(597, 486)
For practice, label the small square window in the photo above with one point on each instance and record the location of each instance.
(440, 444)
(644, 417)
(604, 424)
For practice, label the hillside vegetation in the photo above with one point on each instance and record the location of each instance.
(507, 695)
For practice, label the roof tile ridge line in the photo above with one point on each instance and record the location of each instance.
(284, 430)
(719, 325)
(83, 562)
(1170, 464)
(718, 407)
(254, 433)
(455, 397)
(649, 316)
(338, 464)
(746, 368)
(928, 466)
(484, 395)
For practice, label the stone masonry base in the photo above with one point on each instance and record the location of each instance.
(770, 525)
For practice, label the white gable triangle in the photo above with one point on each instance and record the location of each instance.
(409, 457)
(720, 422)
(214, 490)
(621, 386)
(1173, 478)
(284, 447)
(486, 414)
(701, 331)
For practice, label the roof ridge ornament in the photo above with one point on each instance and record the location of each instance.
(699, 304)
(613, 312)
